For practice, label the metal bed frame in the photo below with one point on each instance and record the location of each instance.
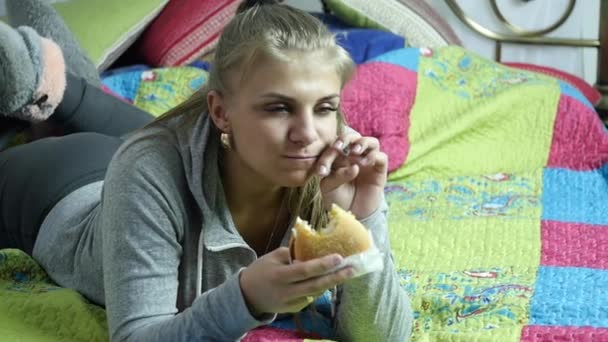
(518, 35)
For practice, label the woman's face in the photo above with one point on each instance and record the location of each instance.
(283, 116)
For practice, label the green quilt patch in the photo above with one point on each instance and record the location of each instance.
(472, 115)
(33, 308)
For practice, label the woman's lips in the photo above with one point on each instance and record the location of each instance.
(299, 157)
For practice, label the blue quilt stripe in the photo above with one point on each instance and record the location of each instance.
(575, 93)
(576, 196)
(124, 84)
(406, 57)
(570, 296)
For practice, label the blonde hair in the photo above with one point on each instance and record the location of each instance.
(271, 30)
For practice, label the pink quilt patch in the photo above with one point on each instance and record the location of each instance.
(270, 334)
(580, 141)
(574, 245)
(537, 333)
(377, 102)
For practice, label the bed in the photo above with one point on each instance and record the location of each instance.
(498, 193)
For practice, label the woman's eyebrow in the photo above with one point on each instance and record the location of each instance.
(290, 99)
(279, 96)
(330, 97)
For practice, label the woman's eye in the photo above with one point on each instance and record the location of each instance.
(327, 110)
(277, 109)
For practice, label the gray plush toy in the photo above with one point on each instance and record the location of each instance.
(43, 18)
(32, 74)
(34, 59)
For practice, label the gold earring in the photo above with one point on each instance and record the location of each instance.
(225, 139)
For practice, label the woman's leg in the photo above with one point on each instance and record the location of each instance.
(35, 176)
(86, 108)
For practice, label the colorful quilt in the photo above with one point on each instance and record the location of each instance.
(155, 90)
(498, 212)
(34, 309)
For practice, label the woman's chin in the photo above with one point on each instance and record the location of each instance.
(294, 179)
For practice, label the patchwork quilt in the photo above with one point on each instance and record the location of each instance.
(499, 214)
(498, 196)
(33, 308)
(155, 90)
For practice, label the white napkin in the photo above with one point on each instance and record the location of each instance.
(363, 263)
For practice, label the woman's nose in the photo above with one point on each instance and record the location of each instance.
(303, 129)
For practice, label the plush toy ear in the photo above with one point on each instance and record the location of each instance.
(44, 19)
(217, 111)
(51, 85)
(32, 74)
(20, 67)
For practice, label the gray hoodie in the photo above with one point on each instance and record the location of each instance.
(155, 243)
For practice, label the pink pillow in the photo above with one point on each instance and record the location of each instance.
(592, 94)
(184, 31)
(377, 103)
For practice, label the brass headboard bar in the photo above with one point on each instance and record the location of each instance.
(536, 37)
(532, 33)
(521, 36)
(602, 60)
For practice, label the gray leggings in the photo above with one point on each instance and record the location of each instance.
(36, 175)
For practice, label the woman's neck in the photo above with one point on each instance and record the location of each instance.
(247, 193)
(254, 204)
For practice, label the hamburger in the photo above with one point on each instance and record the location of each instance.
(344, 235)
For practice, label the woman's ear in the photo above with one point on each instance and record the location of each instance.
(217, 110)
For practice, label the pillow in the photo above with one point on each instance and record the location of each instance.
(592, 94)
(106, 28)
(378, 100)
(184, 31)
(362, 44)
(413, 19)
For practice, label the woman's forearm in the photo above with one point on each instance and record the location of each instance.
(374, 307)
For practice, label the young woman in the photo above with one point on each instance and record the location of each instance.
(181, 230)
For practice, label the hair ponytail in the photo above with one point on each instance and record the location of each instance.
(247, 4)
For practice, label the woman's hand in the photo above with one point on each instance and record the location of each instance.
(354, 173)
(271, 284)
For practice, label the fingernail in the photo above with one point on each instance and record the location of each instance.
(323, 170)
(364, 161)
(357, 148)
(336, 260)
(338, 144)
(346, 150)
